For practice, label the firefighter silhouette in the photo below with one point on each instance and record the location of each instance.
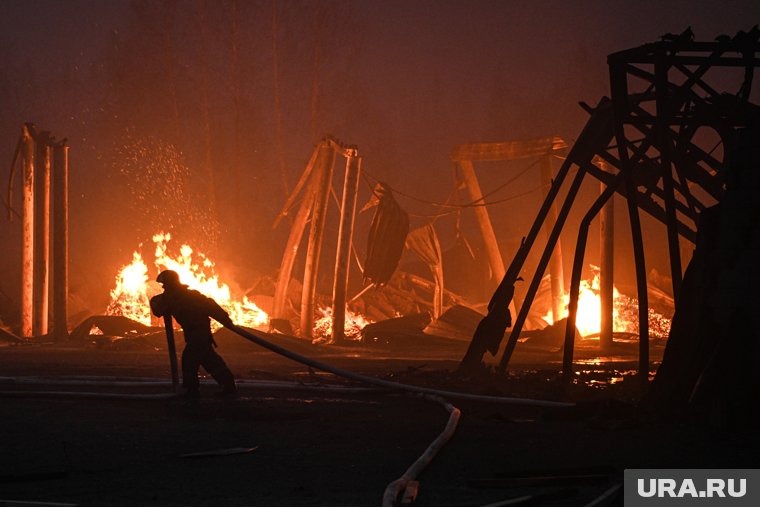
(192, 310)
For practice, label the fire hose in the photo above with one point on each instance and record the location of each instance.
(389, 384)
(405, 484)
(105, 381)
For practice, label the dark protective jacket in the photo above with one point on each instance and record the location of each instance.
(191, 309)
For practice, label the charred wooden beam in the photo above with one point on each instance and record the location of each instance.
(619, 88)
(661, 127)
(595, 135)
(541, 268)
(647, 53)
(695, 205)
(696, 79)
(555, 264)
(606, 269)
(723, 61)
(575, 280)
(645, 202)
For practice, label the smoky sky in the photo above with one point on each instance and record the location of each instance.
(405, 81)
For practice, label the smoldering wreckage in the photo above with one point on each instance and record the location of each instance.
(640, 143)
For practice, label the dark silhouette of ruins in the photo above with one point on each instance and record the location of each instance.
(644, 144)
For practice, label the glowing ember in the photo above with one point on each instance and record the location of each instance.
(131, 295)
(353, 328)
(624, 312)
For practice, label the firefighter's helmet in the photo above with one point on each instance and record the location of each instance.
(168, 278)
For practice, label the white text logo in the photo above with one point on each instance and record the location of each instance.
(715, 488)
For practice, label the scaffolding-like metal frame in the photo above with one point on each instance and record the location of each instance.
(661, 94)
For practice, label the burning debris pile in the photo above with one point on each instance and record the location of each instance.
(625, 312)
(134, 286)
(355, 323)
(405, 294)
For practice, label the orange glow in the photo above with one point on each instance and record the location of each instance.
(131, 295)
(355, 322)
(624, 312)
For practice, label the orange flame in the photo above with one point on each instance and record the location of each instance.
(624, 312)
(355, 322)
(130, 297)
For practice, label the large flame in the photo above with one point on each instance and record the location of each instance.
(131, 295)
(355, 322)
(624, 312)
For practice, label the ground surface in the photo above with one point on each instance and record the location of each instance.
(323, 448)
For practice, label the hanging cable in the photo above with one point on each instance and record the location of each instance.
(353, 246)
(471, 204)
(9, 203)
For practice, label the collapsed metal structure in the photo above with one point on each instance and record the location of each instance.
(545, 149)
(316, 185)
(640, 143)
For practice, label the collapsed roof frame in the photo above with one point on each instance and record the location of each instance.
(544, 149)
(667, 114)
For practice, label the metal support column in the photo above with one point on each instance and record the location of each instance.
(575, 281)
(556, 273)
(41, 234)
(664, 145)
(619, 87)
(541, 268)
(27, 247)
(606, 269)
(60, 240)
(345, 235)
(319, 213)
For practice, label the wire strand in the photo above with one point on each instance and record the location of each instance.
(472, 204)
